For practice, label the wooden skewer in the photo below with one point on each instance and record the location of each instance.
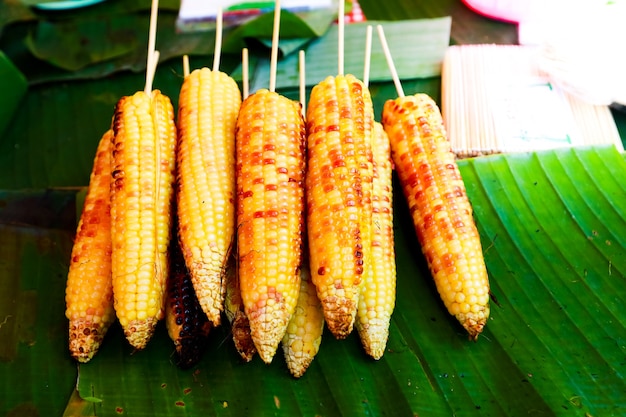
(151, 70)
(217, 50)
(151, 44)
(392, 67)
(218, 40)
(368, 55)
(244, 68)
(274, 55)
(302, 73)
(341, 21)
(185, 65)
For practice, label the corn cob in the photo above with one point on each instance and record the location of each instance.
(234, 310)
(439, 206)
(208, 107)
(304, 333)
(187, 324)
(378, 293)
(270, 143)
(141, 207)
(89, 292)
(340, 121)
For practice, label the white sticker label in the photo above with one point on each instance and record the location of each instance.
(532, 115)
(203, 9)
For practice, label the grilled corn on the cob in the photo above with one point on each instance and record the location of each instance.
(187, 324)
(270, 143)
(234, 310)
(378, 291)
(304, 333)
(209, 103)
(89, 291)
(340, 120)
(142, 181)
(439, 206)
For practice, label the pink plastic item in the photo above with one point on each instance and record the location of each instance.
(512, 11)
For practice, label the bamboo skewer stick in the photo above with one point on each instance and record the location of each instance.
(217, 51)
(151, 70)
(245, 82)
(185, 65)
(489, 141)
(302, 84)
(151, 45)
(274, 53)
(368, 55)
(341, 21)
(389, 58)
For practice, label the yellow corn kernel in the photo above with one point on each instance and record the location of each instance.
(304, 333)
(89, 291)
(270, 143)
(209, 103)
(142, 182)
(340, 120)
(378, 291)
(187, 324)
(234, 310)
(439, 206)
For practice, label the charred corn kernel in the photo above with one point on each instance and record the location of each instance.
(141, 210)
(378, 291)
(207, 112)
(439, 206)
(234, 310)
(187, 324)
(304, 333)
(340, 121)
(270, 142)
(89, 291)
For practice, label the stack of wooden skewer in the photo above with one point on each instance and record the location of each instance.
(495, 99)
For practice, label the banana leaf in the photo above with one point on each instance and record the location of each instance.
(41, 35)
(13, 12)
(121, 38)
(35, 236)
(553, 228)
(418, 48)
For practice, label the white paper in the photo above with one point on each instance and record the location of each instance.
(208, 9)
(533, 114)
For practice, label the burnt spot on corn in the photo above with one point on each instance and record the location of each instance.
(339, 314)
(243, 337)
(85, 338)
(188, 325)
(189, 350)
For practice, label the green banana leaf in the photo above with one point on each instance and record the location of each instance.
(427, 39)
(552, 224)
(17, 11)
(37, 41)
(35, 236)
(113, 43)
